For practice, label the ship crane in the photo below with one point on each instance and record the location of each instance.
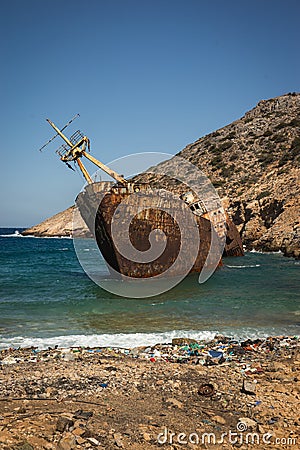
(77, 147)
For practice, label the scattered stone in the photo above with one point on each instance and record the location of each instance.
(24, 446)
(218, 419)
(21, 410)
(143, 396)
(78, 431)
(183, 341)
(68, 442)
(9, 360)
(175, 403)
(118, 440)
(146, 437)
(63, 424)
(249, 387)
(80, 440)
(80, 414)
(93, 441)
(250, 424)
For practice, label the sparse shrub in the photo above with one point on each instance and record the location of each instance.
(267, 133)
(227, 171)
(263, 194)
(282, 125)
(218, 183)
(295, 122)
(278, 138)
(284, 159)
(296, 144)
(231, 135)
(216, 161)
(265, 159)
(225, 145)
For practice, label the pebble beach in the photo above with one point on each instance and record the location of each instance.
(221, 394)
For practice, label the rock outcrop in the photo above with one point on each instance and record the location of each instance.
(59, 225)
(255, 163)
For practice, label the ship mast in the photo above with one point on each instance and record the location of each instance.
(76, 148)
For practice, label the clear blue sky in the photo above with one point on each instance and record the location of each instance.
(144, 75)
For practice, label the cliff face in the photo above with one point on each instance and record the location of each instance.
(255, 162)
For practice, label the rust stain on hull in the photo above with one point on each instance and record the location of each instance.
(98, 205)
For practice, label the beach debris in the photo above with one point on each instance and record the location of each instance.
(273, 420)
(218, 351)
(9, 360)
(214, 357)
(206, 389)
(93, 441)
(63, 424)
(60, 400)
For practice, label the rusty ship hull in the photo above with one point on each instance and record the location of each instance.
(182, 233)
(98, 205)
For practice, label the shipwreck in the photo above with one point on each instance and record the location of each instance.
(151, 220)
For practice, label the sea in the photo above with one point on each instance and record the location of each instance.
(46, 299)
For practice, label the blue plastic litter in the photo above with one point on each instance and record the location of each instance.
(215, 354)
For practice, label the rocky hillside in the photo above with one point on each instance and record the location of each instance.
(255, 162)
(59, 225)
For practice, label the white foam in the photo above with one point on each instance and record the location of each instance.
(15, 234)
(31, 236)
(125, 340)
(122, 340)
(243, 267)
(279, 252)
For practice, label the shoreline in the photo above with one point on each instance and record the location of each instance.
(227, 349)
(230, 347)
(105, 398)
(129, 340)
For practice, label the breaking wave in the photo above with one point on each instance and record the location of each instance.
(121, 340)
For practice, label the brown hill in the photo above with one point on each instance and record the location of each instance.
(255, 162)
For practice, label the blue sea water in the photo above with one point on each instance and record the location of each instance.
(47, 299)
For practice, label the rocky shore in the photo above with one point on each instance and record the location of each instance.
(221, 394)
